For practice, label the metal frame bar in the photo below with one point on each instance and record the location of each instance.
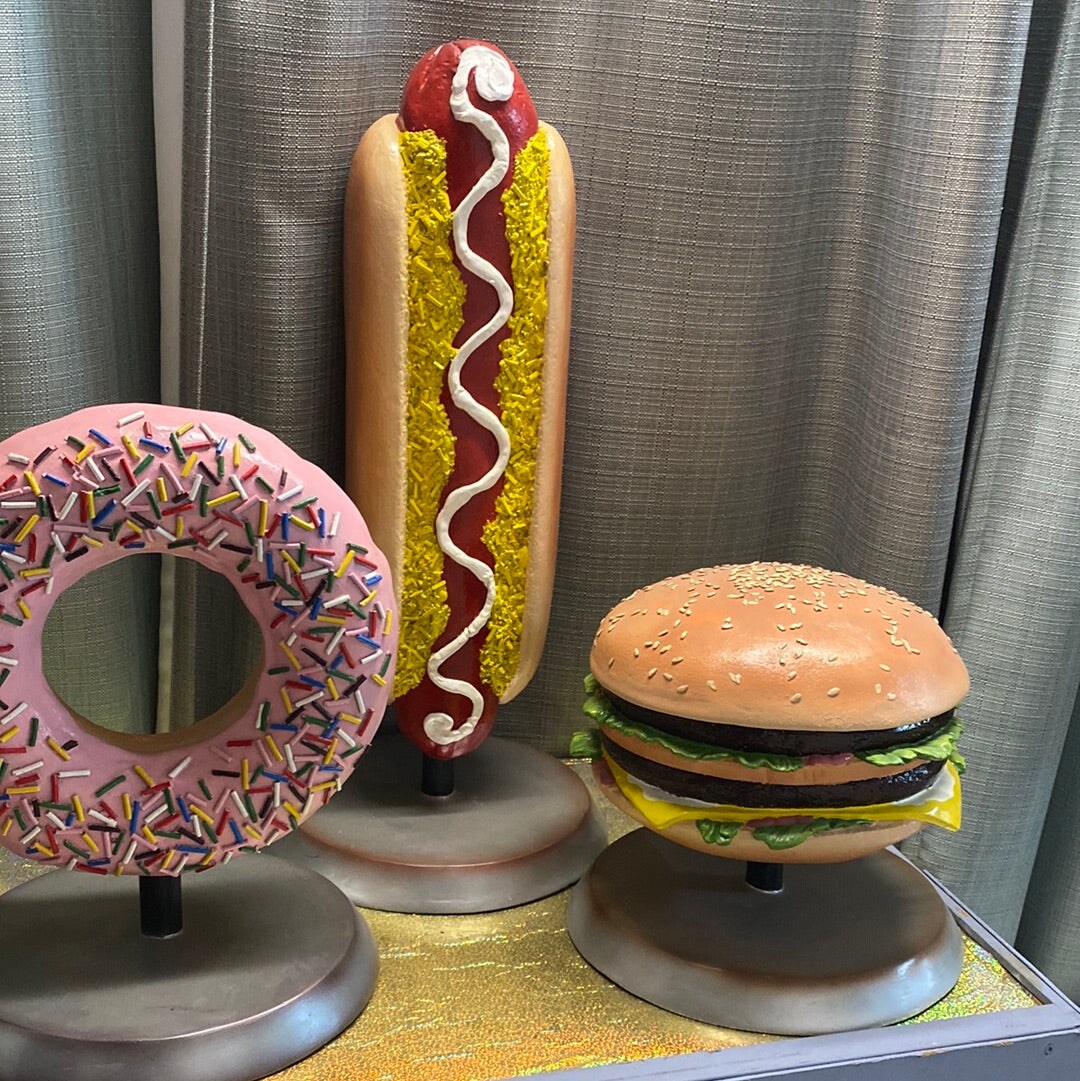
(1039, 1043)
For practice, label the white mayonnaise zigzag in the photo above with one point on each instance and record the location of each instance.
(494, 82)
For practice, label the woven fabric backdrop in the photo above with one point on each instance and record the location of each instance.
(790, 214)
(1014, 598)
(79, 295)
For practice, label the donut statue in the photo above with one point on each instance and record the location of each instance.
(120, 480)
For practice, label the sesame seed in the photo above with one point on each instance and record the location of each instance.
(682, 688)
(735, 677)
(832, 692)
(795, 699)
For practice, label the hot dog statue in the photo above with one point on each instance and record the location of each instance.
(459, 228)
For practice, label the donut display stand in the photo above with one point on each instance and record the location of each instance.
(459, 231)
(259, 963)
(774, 727)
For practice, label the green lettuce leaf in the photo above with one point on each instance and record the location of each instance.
(939, 748)
(585, 744)
(777, 837)
(598, 706)
(717, 833)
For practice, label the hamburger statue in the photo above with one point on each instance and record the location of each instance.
(781, 714)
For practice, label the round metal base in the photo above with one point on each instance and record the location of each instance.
(518, 826)
(272, 963)
(842, 946)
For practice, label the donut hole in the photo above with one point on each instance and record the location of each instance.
(152, 652)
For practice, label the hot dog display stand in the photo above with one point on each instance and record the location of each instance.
(506, 995)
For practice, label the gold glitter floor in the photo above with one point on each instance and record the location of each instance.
(475, 998)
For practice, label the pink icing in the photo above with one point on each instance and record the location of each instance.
(79, 503)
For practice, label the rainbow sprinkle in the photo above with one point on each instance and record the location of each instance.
(194, 492)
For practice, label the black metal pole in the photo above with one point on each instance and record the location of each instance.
(161, 912)
(765, 877)
(437, 777)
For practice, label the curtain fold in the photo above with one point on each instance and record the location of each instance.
(1014, 606)
(261, 325)
(78, 294)
(788, 219)
(787, 225)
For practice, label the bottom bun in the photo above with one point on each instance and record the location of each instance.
(834, 847)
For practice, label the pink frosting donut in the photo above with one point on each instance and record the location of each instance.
(117, 480)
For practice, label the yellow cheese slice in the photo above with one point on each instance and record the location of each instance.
(939, 805)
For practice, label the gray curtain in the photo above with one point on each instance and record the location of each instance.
(79, 295)
(788, 221)
(789, 216)
(1014, 598)
(788, 225)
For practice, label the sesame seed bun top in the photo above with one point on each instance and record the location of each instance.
(778, 645)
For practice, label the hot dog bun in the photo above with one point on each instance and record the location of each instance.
(376, 326)
(544, 532)
(400, 203)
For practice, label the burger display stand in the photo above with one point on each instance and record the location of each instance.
(506, 995)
